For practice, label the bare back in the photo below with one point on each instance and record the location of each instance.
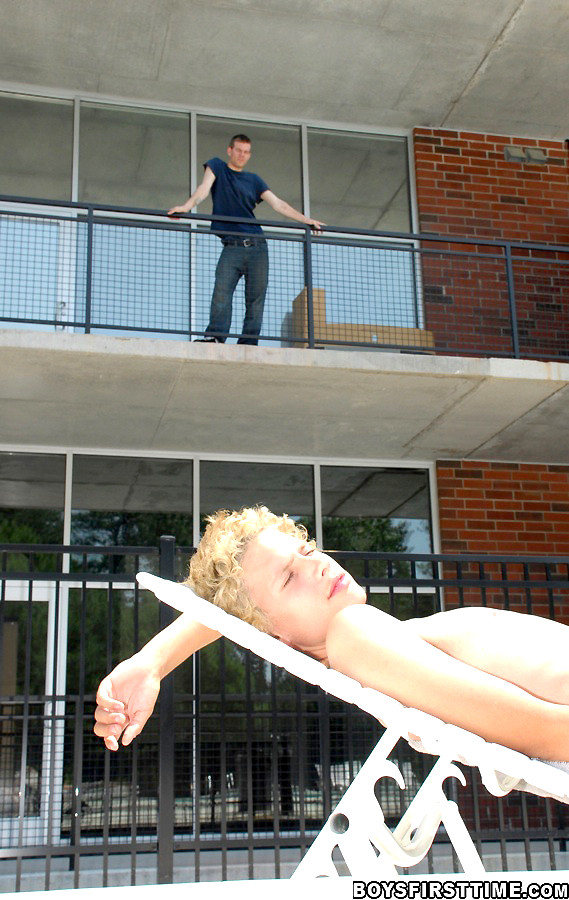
(528, 651)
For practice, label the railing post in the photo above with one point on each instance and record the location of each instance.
(165, 860)
(89, 270)
(512, 301)
(308, 283)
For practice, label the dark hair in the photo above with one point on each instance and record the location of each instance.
(242, 138)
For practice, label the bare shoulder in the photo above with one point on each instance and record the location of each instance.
(356, 616)
(353, 631)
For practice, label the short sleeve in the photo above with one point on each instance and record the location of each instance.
(214, 164)
(262, 186)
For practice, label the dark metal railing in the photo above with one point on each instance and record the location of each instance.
(240, 765)
(101, 268)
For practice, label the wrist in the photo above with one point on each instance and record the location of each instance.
(151, 660)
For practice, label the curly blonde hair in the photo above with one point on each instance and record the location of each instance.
(215, 567)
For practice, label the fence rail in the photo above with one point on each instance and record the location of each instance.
(109, 269)
(234, 774)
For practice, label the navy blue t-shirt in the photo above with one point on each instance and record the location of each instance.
(235, 194)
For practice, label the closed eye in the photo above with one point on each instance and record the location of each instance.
(306, 550)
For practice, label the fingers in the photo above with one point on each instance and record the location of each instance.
(110, 718)
(105, 697)
(130, 732)
(137, 722)
(109, 726)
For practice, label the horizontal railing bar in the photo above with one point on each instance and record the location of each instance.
(340, 554)
(418, 236)
(79, 548)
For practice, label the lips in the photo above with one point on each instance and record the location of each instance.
(339, 584)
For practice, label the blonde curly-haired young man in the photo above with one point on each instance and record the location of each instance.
(499, 674)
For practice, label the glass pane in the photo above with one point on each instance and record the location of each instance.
(32, 489)
(282, 488)
(36, 147)
(375, 509)
(275, 157)
(133, 157)
(126, 501)
(359, 181)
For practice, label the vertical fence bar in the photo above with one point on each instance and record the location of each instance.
(309, 286)
(89, 270)
(512, 301)
(77, 798)
(165, 860)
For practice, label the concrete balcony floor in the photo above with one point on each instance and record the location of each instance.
(88, 391)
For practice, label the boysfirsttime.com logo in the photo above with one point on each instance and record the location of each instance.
(459, 890)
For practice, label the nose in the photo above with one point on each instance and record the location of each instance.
(316, 566)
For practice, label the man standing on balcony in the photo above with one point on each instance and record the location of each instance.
(236, 193)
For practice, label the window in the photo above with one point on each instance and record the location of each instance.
(32, 487)
(133, 157)
(124, 500)
(282, 488)
(375, 509)
(359, 180)
(36, 147)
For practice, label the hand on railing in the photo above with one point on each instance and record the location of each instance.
(316, 226)
(178, 210)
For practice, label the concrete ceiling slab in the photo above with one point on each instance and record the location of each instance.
(175, 398)
(499, 68)
(490, 408)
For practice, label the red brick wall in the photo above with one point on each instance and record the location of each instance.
(466, 188)
(506, 509)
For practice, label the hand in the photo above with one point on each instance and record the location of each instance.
(177, 210)
(316, 226)
(125, 701)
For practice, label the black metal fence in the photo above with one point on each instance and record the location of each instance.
(241, 763)
(113, 270)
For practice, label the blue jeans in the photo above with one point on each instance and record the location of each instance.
(237, 261)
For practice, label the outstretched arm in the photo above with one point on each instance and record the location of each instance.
(127, 696)
(285, 209)
(381, 652)
(200, 193)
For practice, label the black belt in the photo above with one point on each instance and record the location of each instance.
(242, 242)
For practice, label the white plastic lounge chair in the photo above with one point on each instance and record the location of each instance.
(357, 825)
